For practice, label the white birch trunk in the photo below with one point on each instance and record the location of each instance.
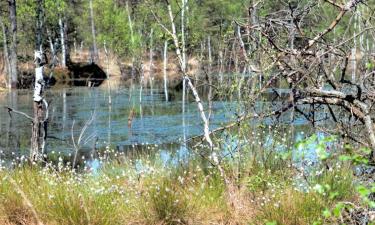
(62, 39)
(165, 59)
(183, 53)
(13, 43)
(132, 39)
(151, 56)
(93, 33)
(107, 73)
(6, 55)
(209, 78)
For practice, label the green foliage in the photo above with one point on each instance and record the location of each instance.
(114, 29)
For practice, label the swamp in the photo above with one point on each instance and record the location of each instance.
(187, 112)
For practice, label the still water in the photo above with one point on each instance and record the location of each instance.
(156, 121)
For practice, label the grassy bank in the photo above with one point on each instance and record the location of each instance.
(148, 191)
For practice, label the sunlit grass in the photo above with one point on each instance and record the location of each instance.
(266, 186)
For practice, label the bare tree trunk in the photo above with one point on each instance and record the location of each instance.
(93, 33)
(206, 128)
(209, 76)
(6, 54)
(81, 50)
(132, 42)
(62, 39)
(165, 70)
(183, 43)
(151, 75)
(107, 73)
(39, 128)
(51, 44)
(354, 52)
(13, 43)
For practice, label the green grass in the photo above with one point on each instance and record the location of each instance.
(266, 190)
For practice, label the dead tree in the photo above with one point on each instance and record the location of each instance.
(13, 43)
(40, 105)
(95, 58)
(317, 70)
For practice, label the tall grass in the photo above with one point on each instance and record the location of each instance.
(266, 187)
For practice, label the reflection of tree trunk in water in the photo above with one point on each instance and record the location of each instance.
(130, 121)
(109, 126)
(183, 42)
(64, 110)
(13, 137)
(107, 73)
(165, 70)
(141, 83)
(184, 144)
(9, 125)
(141, 89)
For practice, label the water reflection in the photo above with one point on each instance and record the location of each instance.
(156, 122)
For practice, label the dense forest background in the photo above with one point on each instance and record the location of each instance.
(131, 32)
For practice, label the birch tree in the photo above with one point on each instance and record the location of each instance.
(13, 43)
(40, 105)
(4, 30)
(206, 128)
(95, 57)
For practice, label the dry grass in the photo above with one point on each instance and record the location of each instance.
(120, 194)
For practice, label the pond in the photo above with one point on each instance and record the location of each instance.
(156, 122)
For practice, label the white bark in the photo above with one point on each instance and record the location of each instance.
(51, 45)
(183, 57)
(62, 39)
(183, 31)
(13, 43)
(165, 59)
(107, 73)
(190, 84)
(6, 55)
(151, 74)
(93, 33)
(209, 77)
(39, 83)
(141, 83)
